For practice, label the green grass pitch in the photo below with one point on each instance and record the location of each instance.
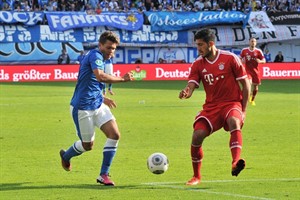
(35, 124)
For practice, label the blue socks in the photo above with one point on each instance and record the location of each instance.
(75, 150)
(109, 152)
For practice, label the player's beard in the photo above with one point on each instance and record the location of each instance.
(208, 53)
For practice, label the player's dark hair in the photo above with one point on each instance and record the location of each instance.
(206, 35)
(109, 35)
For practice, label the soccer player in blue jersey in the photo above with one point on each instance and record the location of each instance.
(90, 109)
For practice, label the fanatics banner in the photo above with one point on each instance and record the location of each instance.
(61, 21)
(40, 73)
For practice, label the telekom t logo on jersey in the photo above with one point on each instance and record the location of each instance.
(209, 78)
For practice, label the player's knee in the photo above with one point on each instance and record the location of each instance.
(234, 123)
(199, 136)
(116, 137)
(88, 146)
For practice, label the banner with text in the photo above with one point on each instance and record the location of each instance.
(33, 73)
(174, 21)
(26, 18)
(226, 35)
(37, 52)
(42, 33)
(287, 18)
(61, 21)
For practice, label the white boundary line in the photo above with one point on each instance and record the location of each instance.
(227, 181)
(169, 185)
(217, 193)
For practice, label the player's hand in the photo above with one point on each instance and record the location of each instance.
(110, 103)
(185, 93)
(128, 76)
(244, 116)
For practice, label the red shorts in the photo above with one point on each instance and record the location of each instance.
(215, 117)
(254, 77)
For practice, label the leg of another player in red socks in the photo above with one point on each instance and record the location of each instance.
(197, 156)
(235, 144)
(254, 92)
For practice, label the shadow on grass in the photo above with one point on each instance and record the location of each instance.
(28, 186)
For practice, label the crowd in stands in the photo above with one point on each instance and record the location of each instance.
(99, 6)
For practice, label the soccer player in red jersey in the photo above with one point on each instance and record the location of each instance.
(253, 56)
(227, 89)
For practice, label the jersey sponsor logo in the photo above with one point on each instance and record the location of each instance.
(209, 78)
(99, 62)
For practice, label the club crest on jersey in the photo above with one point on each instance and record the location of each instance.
(99, 62)
(221, 66)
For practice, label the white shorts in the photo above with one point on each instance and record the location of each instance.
(86, 120)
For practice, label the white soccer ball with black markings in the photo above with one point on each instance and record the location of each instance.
(158, 163)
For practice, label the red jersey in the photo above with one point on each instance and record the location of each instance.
(250, 58)
(219, 78)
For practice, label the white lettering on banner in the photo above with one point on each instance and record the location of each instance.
(30, 18)
(55, 20)
(169, 21)
(267, 72)
(161, 73)
(3, 76)
(71, 20)
(47, 34)
(143, 36)
(30, 75)
(221, 15)
(59, 75)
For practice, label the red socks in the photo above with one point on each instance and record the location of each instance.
(235, 144)
(197, 155)
(254, 94)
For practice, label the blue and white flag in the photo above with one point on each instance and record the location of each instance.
(174, 21)
(61, 21)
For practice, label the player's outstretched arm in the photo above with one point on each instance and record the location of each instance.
(106, 78)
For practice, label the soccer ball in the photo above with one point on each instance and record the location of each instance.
(158, 163)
